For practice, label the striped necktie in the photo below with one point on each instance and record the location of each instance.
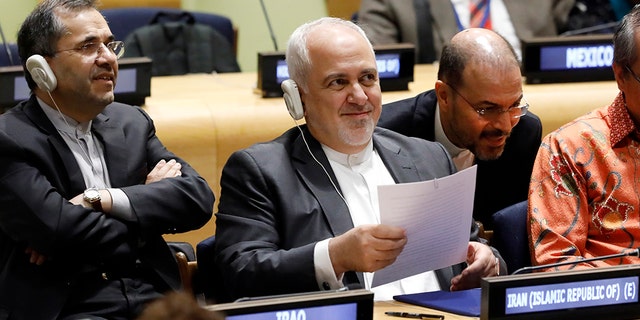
(479, 14)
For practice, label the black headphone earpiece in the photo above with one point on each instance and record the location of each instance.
(292, 99)
(41, 73)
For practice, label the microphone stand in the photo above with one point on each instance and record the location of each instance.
(589, 29)
(635, 253)
(6, 46)
(266, 17)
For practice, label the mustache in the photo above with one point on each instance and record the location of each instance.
(356, 109)
(495, 133)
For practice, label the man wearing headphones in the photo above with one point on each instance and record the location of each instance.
(86, 187)
(300, 213)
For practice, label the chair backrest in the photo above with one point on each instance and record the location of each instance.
(10, 58)
(188, 268)
(188, 273)
(177, 45)
(185, 247)
(123, 21)
(209, 276)
(182, 47)
(510, 236)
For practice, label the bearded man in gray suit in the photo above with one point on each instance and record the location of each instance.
(300, 213)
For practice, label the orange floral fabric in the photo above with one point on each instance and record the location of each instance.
(584, 195)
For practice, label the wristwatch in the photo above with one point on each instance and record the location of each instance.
(92, 195)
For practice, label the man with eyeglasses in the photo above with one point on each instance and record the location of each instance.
(479, 113)
(584, 196)
(86, 188)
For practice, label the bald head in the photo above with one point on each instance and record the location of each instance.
(479, 47)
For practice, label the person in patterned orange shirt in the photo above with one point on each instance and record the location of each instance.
(584, 196)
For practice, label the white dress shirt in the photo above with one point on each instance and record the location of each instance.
(359, 176)
(89, 154)
(462, 158)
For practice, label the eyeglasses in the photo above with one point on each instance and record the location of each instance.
(93, 48)
(494, 112)
(635, 76)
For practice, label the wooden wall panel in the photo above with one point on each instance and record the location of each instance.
(342, 8)
(105, 4)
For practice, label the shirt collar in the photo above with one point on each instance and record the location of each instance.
(621, 123)
(441, 137)
(62, 122)
(349, 160)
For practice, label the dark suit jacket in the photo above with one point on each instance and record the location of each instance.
(277, 202)
(38, 175)
(393, 21)
(499, 183)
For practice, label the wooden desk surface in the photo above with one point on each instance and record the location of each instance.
(224, 93)
(203, 118)
(380, 307)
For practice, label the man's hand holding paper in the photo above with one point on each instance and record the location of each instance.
(436, 215)
(375, 247)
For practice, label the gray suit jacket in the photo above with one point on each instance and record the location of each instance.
(39, 174)
(395, 21)
(277, 202)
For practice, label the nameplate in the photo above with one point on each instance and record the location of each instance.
(395, 65)
(132, 87)
(601, 293)
(335, 305)
(568, 59)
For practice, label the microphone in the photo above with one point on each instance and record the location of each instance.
(266, 17)
(6, 46)
(586, 30)
(634, 253)
(299, 294)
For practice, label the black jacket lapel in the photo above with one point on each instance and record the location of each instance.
(70, 187)
(400, 166)
(319, 181)
(115, 149)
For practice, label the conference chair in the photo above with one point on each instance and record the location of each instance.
(208, 274)
(178, 45)
(510, 236)
(123, 21)
(197, 269)
(186, 257)
(188, 269)
(484, 233)
(182, 247)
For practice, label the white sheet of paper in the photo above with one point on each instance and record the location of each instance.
(437, 216)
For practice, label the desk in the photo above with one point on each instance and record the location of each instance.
(380, 307)
(203, 118)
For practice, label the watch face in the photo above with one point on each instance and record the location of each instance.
(92, 195)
